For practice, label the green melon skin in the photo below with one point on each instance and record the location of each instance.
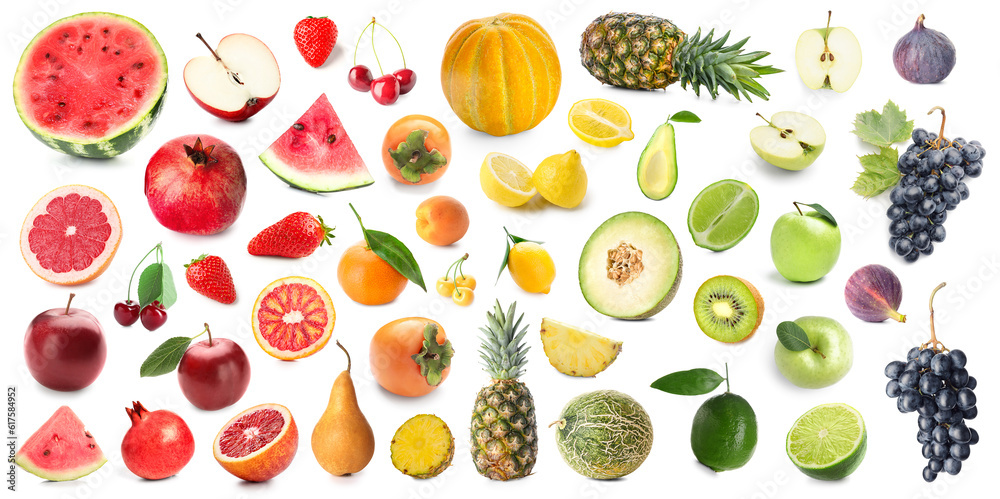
(118, 141)
(655, 286)
(604, 434)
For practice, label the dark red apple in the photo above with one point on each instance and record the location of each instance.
(64, 348)
(196, 184)
(237, 80)
(214, 373)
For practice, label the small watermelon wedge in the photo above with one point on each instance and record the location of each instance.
(315, 154)
(91, 85)
(62, 449)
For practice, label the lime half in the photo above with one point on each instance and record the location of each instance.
(722, 214)
(828, 442)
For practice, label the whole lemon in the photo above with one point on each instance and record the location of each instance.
(531, 267)
(561, 179)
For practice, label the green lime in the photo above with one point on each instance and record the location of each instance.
(828, 442)
(724, 432)
(722, 214)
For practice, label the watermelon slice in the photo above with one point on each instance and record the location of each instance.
(91, 84)
(62, 449)
(315, 154)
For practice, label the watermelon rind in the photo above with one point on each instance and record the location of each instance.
(126, 136)
(66, 423)
(604, 434)
(313, 183)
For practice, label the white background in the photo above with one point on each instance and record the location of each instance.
(715, 149)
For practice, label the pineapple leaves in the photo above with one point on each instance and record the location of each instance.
(708, 63)
(502, 348)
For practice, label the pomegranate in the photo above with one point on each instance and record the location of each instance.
(158, 445)
(196, 185)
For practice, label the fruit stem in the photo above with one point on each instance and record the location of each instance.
(364, 231)
(394, 39)
(459, 269)
(934, 343)
(373, 48)
(920, 22)
(937, 142)
(796, 204)
(827, 55)
(71, 296)
(347, 354)
(128, 292)
(561, 423)
(233, 74)
(784, 132)
(359, 41)
(816, 349)
(727, 377)
(209, 331)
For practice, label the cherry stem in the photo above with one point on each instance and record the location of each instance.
(394, 39)
(128, 292)
(373, 48)
(209, 331)
(934, 343)
(71, 296)
(359, 42)
(347, 354)
(364, 231)
(458, 270)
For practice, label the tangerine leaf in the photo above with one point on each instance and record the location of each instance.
(396, 254)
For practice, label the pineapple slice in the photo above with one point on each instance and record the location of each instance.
(422, 447)
(576, 352)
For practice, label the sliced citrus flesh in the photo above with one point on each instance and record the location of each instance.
(577, 352)
(723, 214)
(258, 443)
(293, 318)
(506, 180)
(828, 442)
(422, 447)
(71, 234)
(600, 122)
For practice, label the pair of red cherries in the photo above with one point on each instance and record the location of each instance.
(386, 88)
(152, 316)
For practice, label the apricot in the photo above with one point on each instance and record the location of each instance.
(442, 220)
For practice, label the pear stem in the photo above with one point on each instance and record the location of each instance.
(347, 354)
(71, 296)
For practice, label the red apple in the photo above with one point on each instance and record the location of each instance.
(195, 184)
(64, 348)
(214, 373)
(237, 80)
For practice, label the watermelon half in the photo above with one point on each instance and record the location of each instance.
(315, 154)
(62, 449)
(91, 84)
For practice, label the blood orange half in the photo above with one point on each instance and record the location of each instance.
(293, 318)
(71, 235)
(257, 444)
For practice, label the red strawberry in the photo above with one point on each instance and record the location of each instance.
(209, 276)
(315, 38)
(294, 236)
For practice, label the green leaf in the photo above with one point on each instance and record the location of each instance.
(692, 382)
(793, 337)
(506, 253)
(165, 358)
(880, 172)
(412, 158)
(156, 283)
(396, 254)
(684, 117)
(885, 129)
(503, 264)
(822, 211)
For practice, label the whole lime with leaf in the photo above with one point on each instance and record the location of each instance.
(724, 430)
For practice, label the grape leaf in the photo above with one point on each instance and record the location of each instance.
(793, 337)
(691, 382)
(880, 172)
(885, 129)
(156, 283)
(165, 358)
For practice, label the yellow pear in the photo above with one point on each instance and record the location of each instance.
(343, 441)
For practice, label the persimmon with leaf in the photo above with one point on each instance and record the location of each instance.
(416, 150)
(410, 356)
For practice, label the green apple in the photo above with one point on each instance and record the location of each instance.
(805, 246)
(828, 57)
(790, 140)
(827, 361)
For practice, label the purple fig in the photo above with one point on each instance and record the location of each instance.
(924, 55)
(873, 294)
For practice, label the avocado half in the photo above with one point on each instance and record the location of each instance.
(630, 267)
(657, 170)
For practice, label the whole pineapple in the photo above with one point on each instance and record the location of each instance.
(647, 52)
(504, 432)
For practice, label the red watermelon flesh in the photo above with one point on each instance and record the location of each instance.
(316, 154)
(62, 449)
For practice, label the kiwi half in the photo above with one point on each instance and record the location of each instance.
(728, 309)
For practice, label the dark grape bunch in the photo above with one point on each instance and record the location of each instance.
(935, 171)
(934, 383)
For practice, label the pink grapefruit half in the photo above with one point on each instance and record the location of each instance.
(71, 235)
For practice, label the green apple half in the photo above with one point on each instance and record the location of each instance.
(827, 361)
(804, 246)
(828, 58)
(790, 140)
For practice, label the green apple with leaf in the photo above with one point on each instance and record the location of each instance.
(813, 352)
(805, 245)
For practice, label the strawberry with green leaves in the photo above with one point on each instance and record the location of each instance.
(294, 236)
(209, 276)
(315, 38)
